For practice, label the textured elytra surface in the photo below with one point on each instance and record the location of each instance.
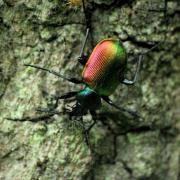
(50, 34)
(101, 72)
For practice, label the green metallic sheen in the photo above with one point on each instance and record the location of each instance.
(105, 67)
(85, 92)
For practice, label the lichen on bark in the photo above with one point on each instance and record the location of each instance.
(50, 34)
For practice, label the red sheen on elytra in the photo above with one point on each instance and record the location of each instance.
(102, 68)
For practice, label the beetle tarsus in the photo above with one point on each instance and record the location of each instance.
(131, 82)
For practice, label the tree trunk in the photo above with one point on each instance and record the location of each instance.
(50, 34)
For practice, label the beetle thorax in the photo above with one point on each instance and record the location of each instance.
(88, 99)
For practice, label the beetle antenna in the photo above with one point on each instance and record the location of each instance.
(73, 80)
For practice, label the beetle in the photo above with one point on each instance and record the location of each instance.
(103, 71)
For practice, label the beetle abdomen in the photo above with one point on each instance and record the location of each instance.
(104, 65)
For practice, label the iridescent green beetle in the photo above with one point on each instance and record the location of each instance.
(103, 71)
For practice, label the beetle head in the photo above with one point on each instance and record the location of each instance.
(87, 99)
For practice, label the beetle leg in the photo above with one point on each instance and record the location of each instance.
(133, 113)
(73, 80)
(50, 111)
(66, 95)
(131, 82)
(140, 58)
(35, 119)
(82, 58)
(94, 118)
(52, 107)
(85, 132)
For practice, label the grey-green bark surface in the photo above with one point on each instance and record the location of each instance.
(50, 34)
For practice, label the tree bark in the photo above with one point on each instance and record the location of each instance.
(50, 34)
